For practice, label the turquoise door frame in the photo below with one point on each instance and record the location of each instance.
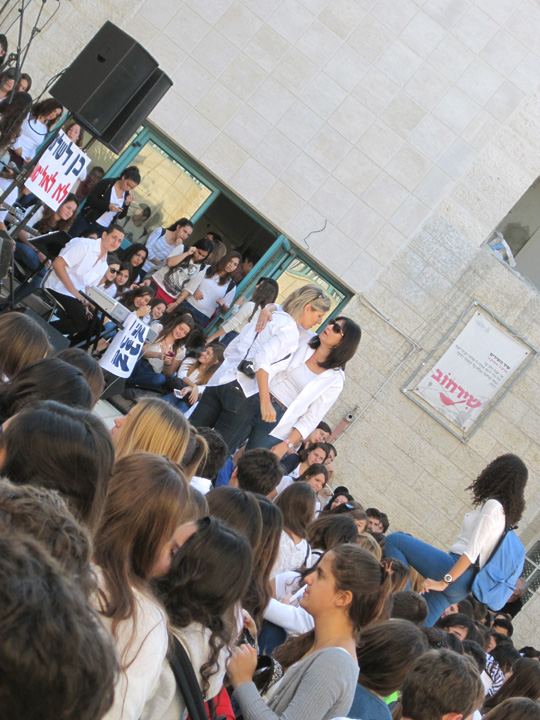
(279, 256)
(277, 259)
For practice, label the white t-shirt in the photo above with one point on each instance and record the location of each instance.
(480, 532)
(144, 657)
(290, 555)
(158, 363)
(188, 277)
(212, 291)
(158, 248)
(33, 133)
(292, 383)
(108, 217)
(85, 265)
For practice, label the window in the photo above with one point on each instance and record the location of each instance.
(531, 570)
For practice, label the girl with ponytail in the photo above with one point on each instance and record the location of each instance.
(347, 590)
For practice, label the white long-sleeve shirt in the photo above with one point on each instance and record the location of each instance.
(307, 409)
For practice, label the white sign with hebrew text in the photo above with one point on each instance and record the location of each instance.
(471, 372)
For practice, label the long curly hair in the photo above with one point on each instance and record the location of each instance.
(504, 479)
(208, 578)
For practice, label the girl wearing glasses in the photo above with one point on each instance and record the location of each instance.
(107, 283)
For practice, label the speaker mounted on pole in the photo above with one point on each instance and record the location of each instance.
(112, 86)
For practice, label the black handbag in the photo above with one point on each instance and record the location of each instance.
(188, 685)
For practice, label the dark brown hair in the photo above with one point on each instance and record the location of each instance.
(297, 503)
(330, 530)
(237, 509)
(517, 708)
(354, 570)
(208, 578)
(22, 341)
(219, 267)
(70, 451)
(523, 682)
(48, 223)
(386, 652)
(260, 591)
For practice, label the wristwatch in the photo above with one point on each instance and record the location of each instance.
(289, 444)
(448, 579)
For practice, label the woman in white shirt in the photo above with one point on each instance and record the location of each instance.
(196, 372)
(215, 290)
(183, 269)
(306, 389)
(145, 521)
(162, 240)
(202, 593)
(162, 358)
(498, 493)
(36, 127)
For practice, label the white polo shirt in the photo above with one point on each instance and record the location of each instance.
(84, 266)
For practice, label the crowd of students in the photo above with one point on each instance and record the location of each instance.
(210, 520)
(289, 598)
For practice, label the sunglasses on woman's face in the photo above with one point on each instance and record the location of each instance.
(114, 271)
(336, 327)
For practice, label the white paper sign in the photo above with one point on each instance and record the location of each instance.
(471, 372)
(126, 348)
(58, 169)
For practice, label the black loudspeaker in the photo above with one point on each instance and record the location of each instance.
(137, 109)
(113, 82)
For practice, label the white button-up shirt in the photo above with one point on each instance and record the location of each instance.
(85, 267)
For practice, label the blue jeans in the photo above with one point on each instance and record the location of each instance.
(198, 316)
(27, 257)
(145, 376)
(259, 432)
(223, 408)
(178, 403)
(431, 563)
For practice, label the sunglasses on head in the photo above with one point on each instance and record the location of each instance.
(336, 327)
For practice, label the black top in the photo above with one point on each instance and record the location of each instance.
(99, 200)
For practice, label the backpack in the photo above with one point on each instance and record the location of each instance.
(496, 581)
(188, 685)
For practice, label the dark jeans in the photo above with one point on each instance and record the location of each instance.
(431, 563)
(198, 316)
(74, 319)
(27, 257)
(145, 376)
(178, 403)
(222, 407)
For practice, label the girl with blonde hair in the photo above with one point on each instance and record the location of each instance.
(152, 426)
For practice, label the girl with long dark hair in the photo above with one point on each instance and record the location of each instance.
(36, 127)
(135, 256)
(162, 240)
(202, 594)
(345, 592)
(265, 293)
(162, 358)
(498, 495)
(215, 290)
(45, 220)
(12, 116)
(304, 392)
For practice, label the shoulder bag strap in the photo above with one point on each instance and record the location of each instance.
(507, 529)
(249, 348)
(187, 682)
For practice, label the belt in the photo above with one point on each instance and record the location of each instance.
(280, 405)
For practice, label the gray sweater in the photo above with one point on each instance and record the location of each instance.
(320, 687)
